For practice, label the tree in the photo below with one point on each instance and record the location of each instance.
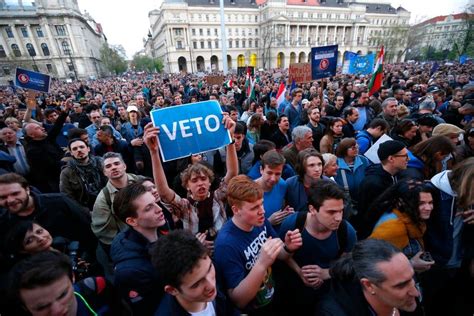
(464, 41)
(145, 63)
(267, 37)
(396, 41)
(112, 59)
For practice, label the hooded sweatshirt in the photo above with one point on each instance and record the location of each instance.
(443, 236)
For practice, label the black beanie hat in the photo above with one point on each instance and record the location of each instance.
(390, 147)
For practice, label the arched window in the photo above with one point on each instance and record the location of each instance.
(16, 50)
(2, 52)
(66, 48)
(45, 49)
(31, 50)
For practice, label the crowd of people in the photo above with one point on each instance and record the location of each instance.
(290, 218)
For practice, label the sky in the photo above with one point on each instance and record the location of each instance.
(126, 22)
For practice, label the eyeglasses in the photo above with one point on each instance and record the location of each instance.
(404, 156)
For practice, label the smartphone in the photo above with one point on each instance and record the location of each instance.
(426, 256)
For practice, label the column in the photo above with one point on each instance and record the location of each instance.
(288, 35)
(74, 47)
(335, 34)
(317, 35)
(307, 35)
(354, 35)
(297, 35)
(326, 36)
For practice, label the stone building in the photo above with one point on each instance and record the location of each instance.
(186, 34)
(50, 36)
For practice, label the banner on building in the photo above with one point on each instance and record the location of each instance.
(323, 61)
(362, 64)
(32, 80)
(300, 73)
(190, 129)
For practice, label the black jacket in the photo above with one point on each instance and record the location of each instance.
(280, 140)
(345, 298)
(44, 157)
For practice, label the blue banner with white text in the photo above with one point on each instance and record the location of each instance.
(32, 80)
(323, 61)
(190, 129)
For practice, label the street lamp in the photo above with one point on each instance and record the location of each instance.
(68, 51)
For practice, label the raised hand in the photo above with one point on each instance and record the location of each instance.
(150, 137)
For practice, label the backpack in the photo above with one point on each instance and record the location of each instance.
(341, 231)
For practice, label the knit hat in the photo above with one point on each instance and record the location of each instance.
(445, 129)
(389, 148)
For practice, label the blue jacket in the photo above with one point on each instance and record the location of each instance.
(442, 224)
(137, 280)
(296, 195)
(415, 169)
(294, 115)
(354, 176)
(364, 140)
(128, 132)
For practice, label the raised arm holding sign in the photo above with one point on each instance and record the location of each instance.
(197, 180)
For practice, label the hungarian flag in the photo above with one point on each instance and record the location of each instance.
(281, 93)
(377, 77)
(229, 83)
(249, 85)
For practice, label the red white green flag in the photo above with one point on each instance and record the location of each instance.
(377, 77)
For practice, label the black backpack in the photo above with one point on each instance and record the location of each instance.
(341, 231)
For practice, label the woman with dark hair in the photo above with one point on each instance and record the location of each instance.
(352, 167)
(405, 131)
(333, 136)
(426, 158)
(400, 216)
(309, 167)
(255, 123)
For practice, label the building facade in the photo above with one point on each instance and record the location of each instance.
(441, 32)
(186, 34)
(49, 36)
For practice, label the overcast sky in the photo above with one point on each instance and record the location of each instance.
(126, 22)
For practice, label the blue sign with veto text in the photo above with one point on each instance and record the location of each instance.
(190, 129)
(32, 80)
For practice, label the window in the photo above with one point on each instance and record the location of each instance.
(215, 32)
(39, 31)
(230, 31)
(208, 32)
(9, 32)
(24, 31)
(250, 43)
(243, 43)
(2, 52)
(193, 31)
(200, 32)
(256, 43)
(237, 44)
(60, 30)
(243, 32)
(202, 44)
(45, 49)
(209, 44)
(216, 43)
(195, 45)
(16, 50)
(66, 48)
(256, 18)
(70, 66)
(179, 44)
(49, 67)
(230, 43)
(6, 70)
(31, 50)
(35, 68)
(256, 31)
(178, 32)
(207, 17)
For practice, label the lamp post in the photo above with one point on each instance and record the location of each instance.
(72, 63)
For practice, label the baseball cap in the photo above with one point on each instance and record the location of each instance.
(132, 108)
(446, 129)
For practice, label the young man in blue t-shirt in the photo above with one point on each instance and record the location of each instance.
(246, 248)
(274, 188)
(326, 236)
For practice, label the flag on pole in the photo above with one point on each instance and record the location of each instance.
(377, 77)
(281, 93)
(293, 86)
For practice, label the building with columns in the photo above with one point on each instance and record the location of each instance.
(50, 36)
(186, 34)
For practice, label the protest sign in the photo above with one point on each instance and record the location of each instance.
(323, 61)
(347, 60)
(32, 80)
(362, 64)
(190, 129)
(371, 153)
(218, 80)
(242, 71)
(300, 72)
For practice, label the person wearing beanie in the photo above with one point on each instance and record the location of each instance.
(393, 156)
